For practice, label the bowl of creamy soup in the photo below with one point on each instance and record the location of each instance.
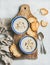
(19, 25)
(28, 44)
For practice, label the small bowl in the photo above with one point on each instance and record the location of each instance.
(22, 49)
(13, 20)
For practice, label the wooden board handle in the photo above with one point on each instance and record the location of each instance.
(24, 10)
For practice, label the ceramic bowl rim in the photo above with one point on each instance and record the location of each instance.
(22, 48)
(13, 20)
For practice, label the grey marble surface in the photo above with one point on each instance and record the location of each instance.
(9, 8)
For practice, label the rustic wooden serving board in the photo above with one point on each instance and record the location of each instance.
(25, 11)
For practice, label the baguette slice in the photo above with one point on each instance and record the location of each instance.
(34, 26)
(14, 50)
(43, 23)
(43, 11)
(31, 33)
(32, 19)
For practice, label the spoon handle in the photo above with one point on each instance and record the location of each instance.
(41, 51)
(44, 50)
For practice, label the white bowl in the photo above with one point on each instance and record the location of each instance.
(14, 20)
(22, 46)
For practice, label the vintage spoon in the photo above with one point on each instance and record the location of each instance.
(41, 37)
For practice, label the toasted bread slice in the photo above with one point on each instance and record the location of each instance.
(32, 19)
(31, 33)
(14, 50)
(43, 11)
(34, 26)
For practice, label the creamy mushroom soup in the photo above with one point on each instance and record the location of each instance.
(20, 25)
(28, 44)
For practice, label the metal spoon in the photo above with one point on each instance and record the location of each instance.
(41, 37)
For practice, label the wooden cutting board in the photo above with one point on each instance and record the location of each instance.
(25, 11)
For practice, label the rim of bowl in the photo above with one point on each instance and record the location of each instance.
(22, 48)
(13, 20)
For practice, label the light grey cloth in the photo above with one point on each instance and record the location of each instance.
(5, 41)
